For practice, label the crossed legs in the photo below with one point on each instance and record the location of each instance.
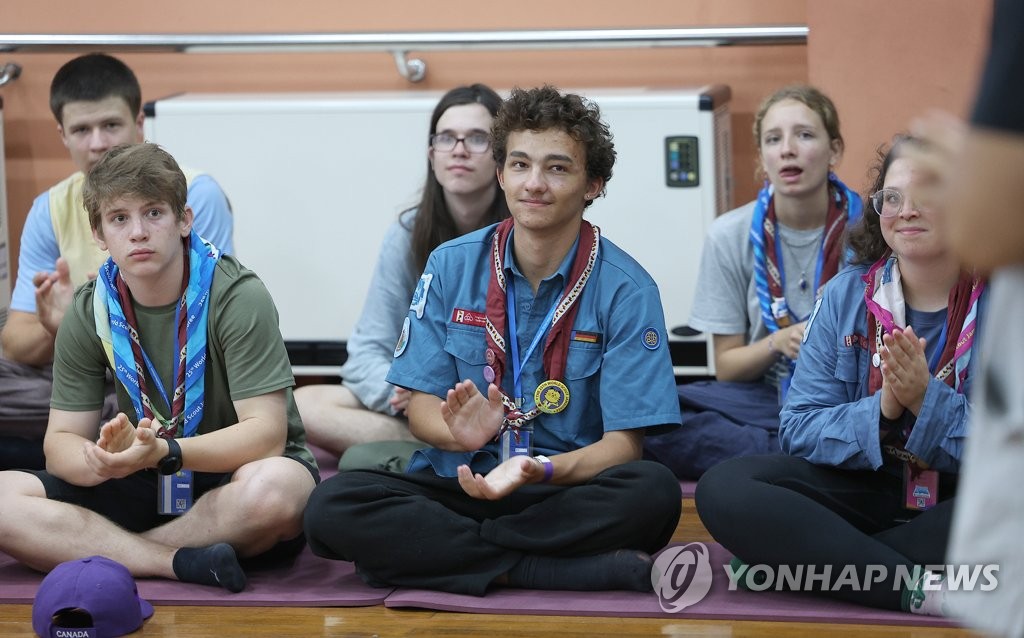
(261, 505)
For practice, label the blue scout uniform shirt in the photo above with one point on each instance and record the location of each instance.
(616, 381)
(830, 419)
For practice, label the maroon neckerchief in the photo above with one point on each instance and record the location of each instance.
(177, 406)
(556, 346)
(831, 242)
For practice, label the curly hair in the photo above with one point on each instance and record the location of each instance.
(546, 107)
(865, 237)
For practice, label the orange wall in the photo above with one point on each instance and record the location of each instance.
(881, 60)
(885, 61)
(36, 159)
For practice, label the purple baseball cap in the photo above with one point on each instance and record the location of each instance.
(91, 597)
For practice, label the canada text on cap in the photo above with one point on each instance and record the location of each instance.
(91, 597)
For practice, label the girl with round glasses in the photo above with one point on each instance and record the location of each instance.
(762, 267)
(460, 195)
(876, 419)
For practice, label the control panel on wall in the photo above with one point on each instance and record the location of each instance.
(682, 164)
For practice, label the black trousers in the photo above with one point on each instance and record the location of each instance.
(421, 530)
(780, 510)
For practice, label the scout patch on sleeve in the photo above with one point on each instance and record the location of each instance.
(403, 338)
(650, 338)
(810, 320)
(419, 297)
(469, 317)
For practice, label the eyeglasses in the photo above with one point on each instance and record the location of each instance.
(474, 142)
(888, 202)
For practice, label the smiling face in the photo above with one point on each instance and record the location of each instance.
(144, 239)
(913, 234)
(545, 181)
(90, 129)
(796, 152)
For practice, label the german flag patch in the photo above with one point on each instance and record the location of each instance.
(586, 337)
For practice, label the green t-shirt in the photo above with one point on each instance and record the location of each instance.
(246, 356)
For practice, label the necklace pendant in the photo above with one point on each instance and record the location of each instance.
(803, 283)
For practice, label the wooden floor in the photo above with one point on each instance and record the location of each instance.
(215, 622)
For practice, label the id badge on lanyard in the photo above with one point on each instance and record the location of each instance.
(517, 442)
(920, 487)
(174, 496)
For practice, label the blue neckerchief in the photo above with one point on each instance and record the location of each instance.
(853, 212)
(113, 330)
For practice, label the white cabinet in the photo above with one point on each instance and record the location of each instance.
(315, 179)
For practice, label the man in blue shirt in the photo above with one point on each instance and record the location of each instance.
(565, 334)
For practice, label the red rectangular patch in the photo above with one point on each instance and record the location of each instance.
(469, 318)
(856, 340)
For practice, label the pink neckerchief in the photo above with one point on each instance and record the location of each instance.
(886, 311)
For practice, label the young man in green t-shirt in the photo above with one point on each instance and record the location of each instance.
(205, 463)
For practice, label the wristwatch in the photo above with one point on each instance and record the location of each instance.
(171, 463)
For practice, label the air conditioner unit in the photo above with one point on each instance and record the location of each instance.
(315, 179)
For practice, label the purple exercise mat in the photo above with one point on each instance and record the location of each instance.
(688, 488)
(720, 603)
(310, 582)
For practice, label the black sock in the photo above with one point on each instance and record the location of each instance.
(621, 569)
(214, 565)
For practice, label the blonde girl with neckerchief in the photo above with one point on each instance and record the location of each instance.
(763, 265)
(876, 419)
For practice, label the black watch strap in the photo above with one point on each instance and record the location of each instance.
(171, 463)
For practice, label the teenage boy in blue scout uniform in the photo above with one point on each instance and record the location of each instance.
(565, 334)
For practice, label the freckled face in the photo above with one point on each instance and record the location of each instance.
(796, 153)
(143, 237)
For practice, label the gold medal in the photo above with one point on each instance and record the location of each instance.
(551, 396)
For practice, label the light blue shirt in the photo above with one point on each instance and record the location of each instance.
(830, 419)
(39, 249)
(615, 383)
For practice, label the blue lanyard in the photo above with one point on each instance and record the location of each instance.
(933, 362)
(517, 370)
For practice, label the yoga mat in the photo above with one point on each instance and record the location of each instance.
(310, 581)
(327, 462)
(719, 604)
(688, 488)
